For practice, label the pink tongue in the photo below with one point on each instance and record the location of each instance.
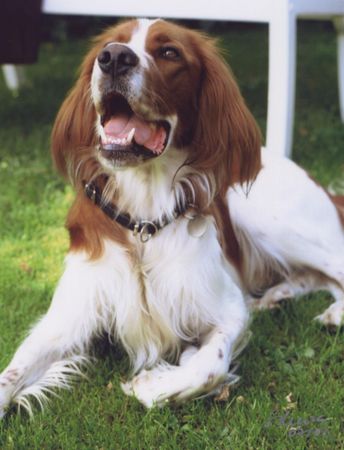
(146, 134)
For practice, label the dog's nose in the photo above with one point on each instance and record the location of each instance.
(117, 59)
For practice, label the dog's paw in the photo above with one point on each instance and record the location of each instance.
(151, 387)
(4, 401)
(165, 384)
(333, 315)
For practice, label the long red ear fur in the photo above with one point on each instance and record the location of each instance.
(74, 125)
(227, 137)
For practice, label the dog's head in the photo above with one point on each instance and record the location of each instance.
(148, 86)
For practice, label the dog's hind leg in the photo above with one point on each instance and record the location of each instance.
(334, 270)
(334, 314)
(328, 269)
(304, 283)
(296, 285)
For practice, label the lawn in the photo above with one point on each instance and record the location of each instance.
(291, 392)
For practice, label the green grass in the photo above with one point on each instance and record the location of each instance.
(288, 352)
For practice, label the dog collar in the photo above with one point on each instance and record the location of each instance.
(144, 228)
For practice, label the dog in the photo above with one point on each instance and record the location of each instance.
(179, 224)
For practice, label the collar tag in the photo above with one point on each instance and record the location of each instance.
(197, 226)
(147, 230)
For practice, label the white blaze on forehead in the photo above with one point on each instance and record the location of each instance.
(95, 91)
(138, 40)
(137, 44)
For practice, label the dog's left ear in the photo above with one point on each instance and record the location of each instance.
(74, 124)
(227, 140)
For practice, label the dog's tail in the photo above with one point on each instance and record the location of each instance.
(338, 201)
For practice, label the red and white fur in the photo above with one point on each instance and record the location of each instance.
(177, 302)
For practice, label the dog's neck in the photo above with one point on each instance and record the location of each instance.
(157, 188)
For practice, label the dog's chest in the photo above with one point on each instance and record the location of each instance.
(176, 272)
(168, 291)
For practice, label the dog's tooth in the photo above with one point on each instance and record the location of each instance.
(130, 135)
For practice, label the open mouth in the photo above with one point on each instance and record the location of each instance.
(128, 138)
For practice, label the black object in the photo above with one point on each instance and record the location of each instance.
(19, 31)
(117, 59)
(146, 229)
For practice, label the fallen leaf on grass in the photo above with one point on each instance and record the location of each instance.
(24, 266)
(291, 403)
(223, 395)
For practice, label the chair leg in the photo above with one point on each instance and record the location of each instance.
(14, 76)
(281, 88)
(339, 24)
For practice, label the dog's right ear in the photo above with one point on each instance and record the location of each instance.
(75, 122)
(227, 137)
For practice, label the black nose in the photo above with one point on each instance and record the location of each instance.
(117, 59)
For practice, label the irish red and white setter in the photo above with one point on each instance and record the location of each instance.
(179, 222)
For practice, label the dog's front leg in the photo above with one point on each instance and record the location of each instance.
(57, 344)
(201, 371)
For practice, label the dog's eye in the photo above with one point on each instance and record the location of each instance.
(170, 53)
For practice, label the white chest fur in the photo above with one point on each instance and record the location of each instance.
(172, 291)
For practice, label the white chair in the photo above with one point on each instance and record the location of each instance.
(280, 15)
